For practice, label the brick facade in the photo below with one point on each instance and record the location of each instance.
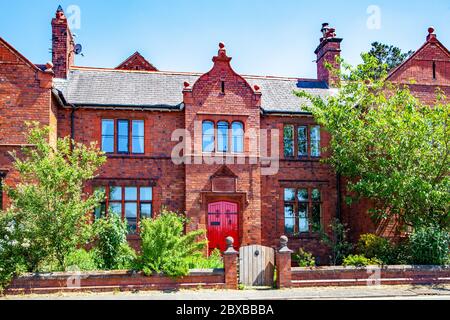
(219, 95)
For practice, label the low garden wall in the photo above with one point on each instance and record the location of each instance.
(113, 280)
(354, 276)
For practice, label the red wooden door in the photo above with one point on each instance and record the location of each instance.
(222, 223)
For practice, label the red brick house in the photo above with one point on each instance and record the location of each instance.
(204, 144)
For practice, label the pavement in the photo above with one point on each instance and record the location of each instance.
(435, 292)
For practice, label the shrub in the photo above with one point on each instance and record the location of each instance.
(429, 245)
(372, 246)
(111, 247)
(360, 261)
(337, 242)
(304, 259)
(165, 247)
(214, 261)
(81, 260)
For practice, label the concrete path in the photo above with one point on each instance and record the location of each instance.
(440, 292)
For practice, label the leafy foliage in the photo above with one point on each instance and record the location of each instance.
(304, 259)
(338, 242)
(429, 245)
(393, 149)
(165, 247)
(111, 247)
(360, 261)
(81, 260)
(214, 261)
(389, 57)
(374, 247)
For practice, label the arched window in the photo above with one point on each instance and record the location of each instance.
(208, 136)
(237, 137)
(222, 136)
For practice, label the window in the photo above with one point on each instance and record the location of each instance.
(315, 141)
(131, 203)
(100, 211)
(302, 141)
(137, 136)
(222, 136)
(288, 141)
(302, 210)
(122, 136)
(108, 136)
(434, 70)
(208, 136)
(237, 133)
(131, 208)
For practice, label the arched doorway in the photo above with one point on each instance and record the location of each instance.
(223, 221)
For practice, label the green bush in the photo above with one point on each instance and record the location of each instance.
(165, 247)
(429, 245)
(81, 260)
(337, 242)
(360, 261)
(111, 247)
(214, 261)
(304, 259)
(372, 246)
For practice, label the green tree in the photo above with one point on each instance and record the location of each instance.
(48, 206)
(389, 57)
(393, 148)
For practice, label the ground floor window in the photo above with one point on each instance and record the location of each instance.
(302, 210)
(131, 203)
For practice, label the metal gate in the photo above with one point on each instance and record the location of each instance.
(256, 265)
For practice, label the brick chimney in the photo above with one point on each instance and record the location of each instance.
(327, 51)
(63, 55)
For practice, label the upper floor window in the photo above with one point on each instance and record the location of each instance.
(137, 136)
(208, 136)
(120, 137)
(108, 136)
(131, 203)
(301, 141)
(223, 138)
(237, 129)
(302, 210)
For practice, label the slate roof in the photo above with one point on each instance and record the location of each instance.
(163, 90)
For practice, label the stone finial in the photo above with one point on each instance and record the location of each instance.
(431, 33)
(221, 45)
(186, 84)
(230, 247)
(283, 245)
(222, 55)
(257, 88)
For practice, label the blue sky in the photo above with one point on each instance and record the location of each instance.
(264, 37)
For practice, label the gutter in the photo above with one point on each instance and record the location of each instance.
(339, 197)
(72, 122)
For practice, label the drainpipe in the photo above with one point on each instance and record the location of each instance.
(72, 122)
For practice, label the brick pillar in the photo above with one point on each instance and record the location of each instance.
(283, 263)
(230, 262)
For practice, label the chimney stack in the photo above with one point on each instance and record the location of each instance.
(63, 55)
(327, 51)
